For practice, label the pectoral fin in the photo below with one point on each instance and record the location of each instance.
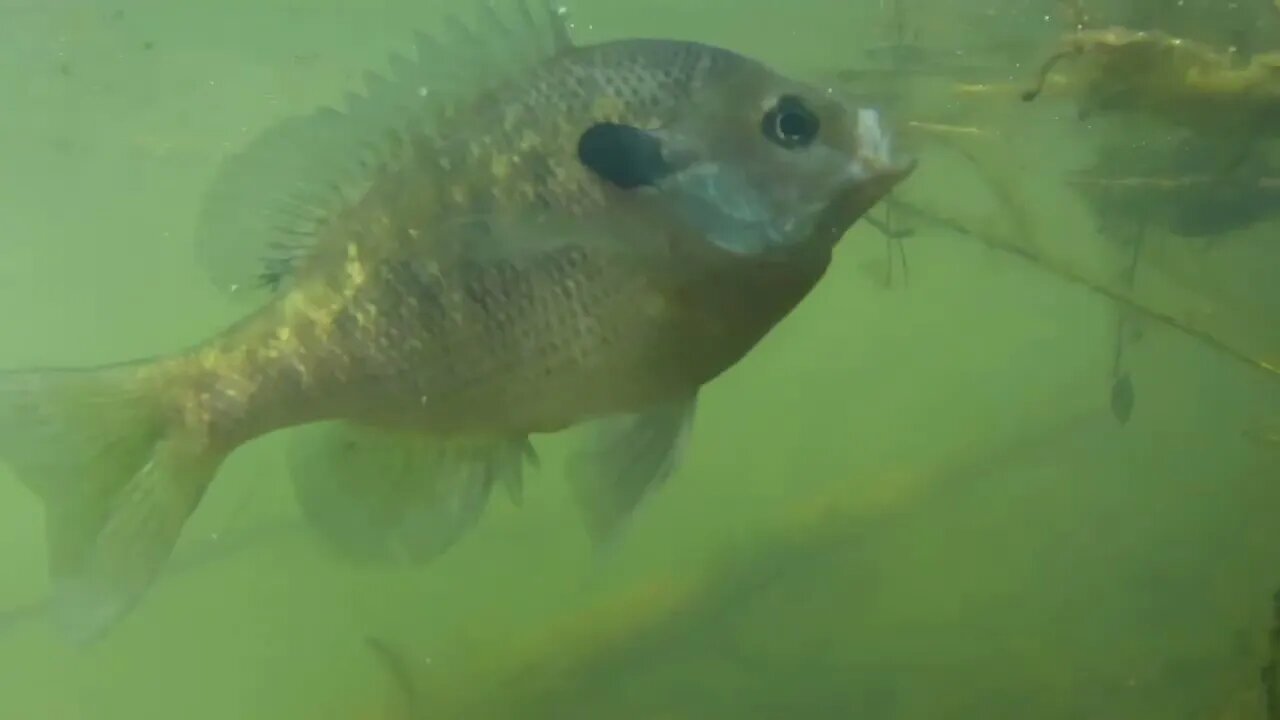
(626, 457)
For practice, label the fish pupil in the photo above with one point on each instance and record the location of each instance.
(790, 123)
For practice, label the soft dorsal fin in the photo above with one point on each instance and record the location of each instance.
(268, 201)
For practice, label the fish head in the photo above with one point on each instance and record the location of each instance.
(758, 163)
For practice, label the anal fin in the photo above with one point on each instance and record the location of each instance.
(395, 497)
(626, 457)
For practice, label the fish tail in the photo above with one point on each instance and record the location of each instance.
(119, 474)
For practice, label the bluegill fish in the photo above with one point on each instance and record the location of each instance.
(517, 235)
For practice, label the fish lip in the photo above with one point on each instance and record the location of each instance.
(874, 143)
(875, 158)
(872, 174)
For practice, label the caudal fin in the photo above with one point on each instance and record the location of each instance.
(118, 480)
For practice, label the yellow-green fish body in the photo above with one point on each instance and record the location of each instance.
(589, 238)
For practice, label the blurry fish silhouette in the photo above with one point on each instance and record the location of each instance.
(1180, 185)
(547, 235)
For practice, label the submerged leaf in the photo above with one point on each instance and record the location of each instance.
(1122, 398)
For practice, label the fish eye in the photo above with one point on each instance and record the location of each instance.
(790, 123)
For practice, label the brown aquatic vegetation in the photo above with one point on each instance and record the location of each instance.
(1143, 73)
(1150, 73)
(569, 669)
(1176, 80)
(547, 235)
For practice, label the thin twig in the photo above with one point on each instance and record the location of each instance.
(1202, 334)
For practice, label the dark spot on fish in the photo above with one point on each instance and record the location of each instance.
(622, 155)
(790, 123)
(149, 45)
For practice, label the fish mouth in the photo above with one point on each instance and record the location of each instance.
(873, 172)
(875, 157)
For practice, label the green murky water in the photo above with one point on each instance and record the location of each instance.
(912, 501)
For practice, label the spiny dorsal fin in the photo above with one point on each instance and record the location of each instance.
(267, 201)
